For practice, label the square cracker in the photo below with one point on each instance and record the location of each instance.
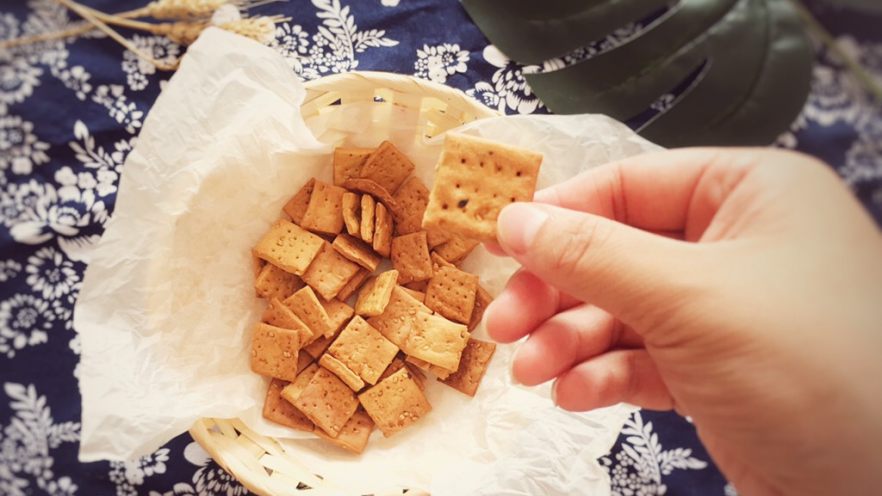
(397, 364)
(475, 359)
(417, 295)
(307, 307)
(274, 351)
(387, 166)
(437, 340)
(395, 403)
(292, 391)
(339, 314)
(354, 284)
(279, 410)
(410, 257)
(399, 317)
(451, 292)
(296, 206)
(437, 237)
(355, 434)
(289, 247)
(348, 163)
(382, 230)
(455, 250)
(279, 315)
(352, 213)
(357, 251)
(368, 205)
(327, 401)
(342, 371)
(325, 211)
(482, 300)
(410, 204)
(329, 272)
(428, 367)
(363, 349)
(474, 179)
(273, 282)
(374, 296)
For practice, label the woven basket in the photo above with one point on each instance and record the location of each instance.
(261, 463)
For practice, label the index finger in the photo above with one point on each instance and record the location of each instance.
(672, 190)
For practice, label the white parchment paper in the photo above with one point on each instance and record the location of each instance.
(167, 303)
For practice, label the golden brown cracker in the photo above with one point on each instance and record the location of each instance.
(289, 247)
(399, 317)
(382, 230)
(455, 250)
(418, 286)
(292, 391)
(451, 293)
(327, 401)
(342, 371)
(379, 193)
(339, 314)
(374, 296)
(352, 213)
(354, 435)
(297, 205)
(329, 272)
(273, 282)
(325, 211)
(395, 403)
(368, 205)
(387, 166)
(279, 315)
(410, 257)
(303, 361)
(410, 203)
(307, 307)
(363, 349)
(438, 261)
(279, 410)
(357, 251)
(482, 300)
(436, 340)
(472, 366)
(428, 367)
(353, 284)
(474, 179)
(274, 351)
(417, 295)
(348, 163)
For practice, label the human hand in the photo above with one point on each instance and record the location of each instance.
(742, 287)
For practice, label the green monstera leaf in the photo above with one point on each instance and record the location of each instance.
(745, 64)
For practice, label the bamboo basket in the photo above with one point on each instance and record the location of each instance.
(261, 463)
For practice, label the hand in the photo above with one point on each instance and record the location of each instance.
(742, 287)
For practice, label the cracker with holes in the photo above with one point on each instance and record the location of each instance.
(330, 272)
(374, 296)
(342, 371)
(297, 205)
(325, 211)
(456, 249)
(273, 282)
(355, 433)
(354, 284)
(482, 301)
(307, 307)
(363, 350)
(339, 314)
(410, 205)
(417, 295)
(279, 315)
(279, 410)
(472, 366)
(357, 251)
(410, 257)
(274, 351)
(395, 403)
(368, 206)
(292, 391)
(348, 163)
(327, 401)
(451, 293)
(428, 367)
(387, 166)
(382, 242)
(437, 340)
(399, 317)
(474, 179)
(368, 187)
(352, 213)
(289, 247)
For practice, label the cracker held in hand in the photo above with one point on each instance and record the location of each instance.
(474, 179)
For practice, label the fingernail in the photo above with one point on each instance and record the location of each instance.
(518, 225)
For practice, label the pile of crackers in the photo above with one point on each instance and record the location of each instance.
(348, 340)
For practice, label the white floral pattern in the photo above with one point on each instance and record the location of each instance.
(51, 274)
(137, 69)
(20, 150)
(437, 62)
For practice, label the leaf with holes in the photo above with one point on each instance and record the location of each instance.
(742, 68)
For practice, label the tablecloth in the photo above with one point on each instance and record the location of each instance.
(71, 110)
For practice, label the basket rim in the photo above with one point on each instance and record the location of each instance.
(402, 83)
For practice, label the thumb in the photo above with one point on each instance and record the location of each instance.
(627, 272)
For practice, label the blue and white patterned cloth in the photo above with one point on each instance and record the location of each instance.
(71, 110)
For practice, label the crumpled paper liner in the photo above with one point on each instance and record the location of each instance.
(167, 303)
